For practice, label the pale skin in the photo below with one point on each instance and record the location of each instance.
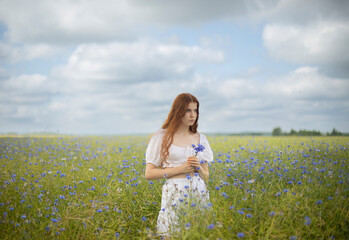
(182, 137)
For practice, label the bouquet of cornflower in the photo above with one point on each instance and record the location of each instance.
(199, 148)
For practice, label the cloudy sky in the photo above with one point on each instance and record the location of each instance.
(114, 67)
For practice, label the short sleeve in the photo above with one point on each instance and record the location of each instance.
(153, 150)
(207, 154)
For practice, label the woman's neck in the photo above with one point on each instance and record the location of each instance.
(183, 130)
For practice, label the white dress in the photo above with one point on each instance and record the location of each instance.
(178, 192)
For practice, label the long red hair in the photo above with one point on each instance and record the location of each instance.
(173, 121)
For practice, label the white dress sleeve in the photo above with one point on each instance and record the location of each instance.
(152, 154)
(207, 154)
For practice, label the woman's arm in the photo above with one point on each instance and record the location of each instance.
(203, 172)
(153, 173)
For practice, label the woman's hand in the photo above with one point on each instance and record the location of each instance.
(186, 168)
(194, 161)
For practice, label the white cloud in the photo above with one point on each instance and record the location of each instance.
(322, 42)
(75, 22)
(13, 54)
(127, 63)
(306, 83)
(304, 98)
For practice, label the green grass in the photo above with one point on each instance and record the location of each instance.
(94, 188)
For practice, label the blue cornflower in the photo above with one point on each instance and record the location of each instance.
(117, 234)
(307, 221)
(319, 202)
(144, 218)
(211, 226)
(193, 205)
(249, 215)
(241, 212)
(199, 148)
(240, 235)
(94, 179)
(271, 214)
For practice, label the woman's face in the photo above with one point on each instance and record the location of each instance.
(190, 115)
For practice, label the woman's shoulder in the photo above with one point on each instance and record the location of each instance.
(159, 133)
(203, 137)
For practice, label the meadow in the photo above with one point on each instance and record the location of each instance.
(68, 187)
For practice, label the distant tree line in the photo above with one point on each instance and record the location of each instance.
(278, 132)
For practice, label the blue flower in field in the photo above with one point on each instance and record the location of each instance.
(217, 188)
(211, 226)
(94, 179)
(23, 216)
(299, 183)
(106, 208)
(241, 212)
(99, 210)
(61, 196)
(47, 228)
(144, 218)
(186, 186)
(249, 215)
(286, 190)
(11, 208)
(193, 205)
(271, 214)
(319, 202)
(54, 220)
(330, 198)
(241, 235)
(307, 221)
(293, 238)
(290, 182)
(117, 234)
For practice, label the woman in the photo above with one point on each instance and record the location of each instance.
(168, 156)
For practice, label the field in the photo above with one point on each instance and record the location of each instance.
(66, 187)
